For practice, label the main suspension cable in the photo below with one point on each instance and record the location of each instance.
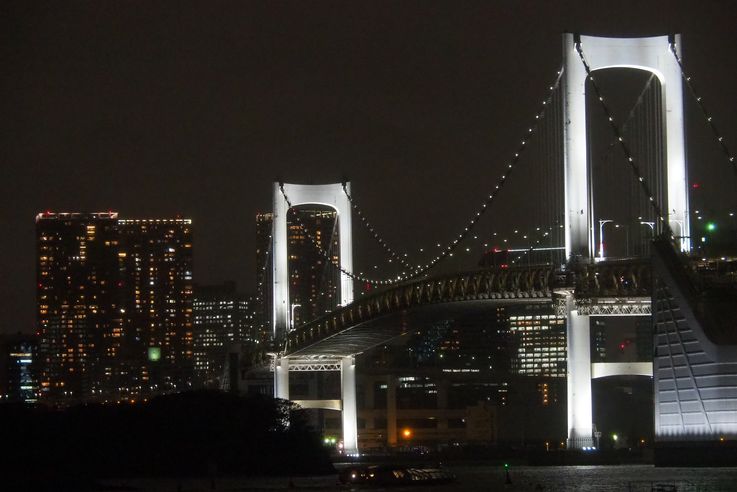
(704, 111)
(393, 255)
(326, 254)
(415, 272)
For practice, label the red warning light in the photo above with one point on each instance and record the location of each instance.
(696, 186)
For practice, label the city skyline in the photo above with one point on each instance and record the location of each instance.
(168, 111)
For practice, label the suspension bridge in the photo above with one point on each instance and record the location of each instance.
(565, 262)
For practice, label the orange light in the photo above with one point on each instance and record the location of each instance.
(407, 433)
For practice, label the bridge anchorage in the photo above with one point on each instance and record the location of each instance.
(695, 378)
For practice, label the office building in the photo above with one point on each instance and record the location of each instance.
(223, 318)
(540, 338)
(18, 377)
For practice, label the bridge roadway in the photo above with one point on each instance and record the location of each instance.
(612, 288)
(694, 368)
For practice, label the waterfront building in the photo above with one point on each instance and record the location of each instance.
(114, 306)
(18, 361)
(223, 318)
(313, 278)
(156, 342)
(541, 343)
(78, 307)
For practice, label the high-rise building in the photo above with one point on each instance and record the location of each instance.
(18, 378)
(114, 306)
(155, 265)
(541, 343)
(222, 319)
(313, 278)
(77, 301)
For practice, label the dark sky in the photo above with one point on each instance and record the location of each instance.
(162, 108)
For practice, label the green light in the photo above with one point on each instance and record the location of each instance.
(711, 227)
(506, 466)
(154, 354)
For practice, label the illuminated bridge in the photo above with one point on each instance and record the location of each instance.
(695, 364)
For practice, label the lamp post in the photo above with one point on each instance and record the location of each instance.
(601, 236)
(649, 224)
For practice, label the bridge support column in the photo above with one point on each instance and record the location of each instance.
(350, 411)
(580, 419)
(281, 378)
(391, 411)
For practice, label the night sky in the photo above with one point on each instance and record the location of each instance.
(161, 108)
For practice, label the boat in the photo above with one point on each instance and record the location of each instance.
(388, 475)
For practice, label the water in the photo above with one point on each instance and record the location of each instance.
(481, 478)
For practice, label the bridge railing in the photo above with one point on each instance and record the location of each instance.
(498, 283)
(627, 277)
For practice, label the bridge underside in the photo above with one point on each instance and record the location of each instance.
(364, 336)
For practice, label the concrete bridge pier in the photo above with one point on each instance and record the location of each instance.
(281, 378)
(580, 418)
(347, 403)
(350, 410)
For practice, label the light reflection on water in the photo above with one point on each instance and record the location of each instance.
(481, 478)
(599, 478)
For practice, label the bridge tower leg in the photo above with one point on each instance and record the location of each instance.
(350, 412)
(580, 418)
(281, 378)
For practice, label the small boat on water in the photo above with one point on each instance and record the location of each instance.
(388, 475)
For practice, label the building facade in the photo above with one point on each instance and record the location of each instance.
(313, 278)
(114, 300)
(78, 302)
(18, 374)
(223, 318)
(156, 343)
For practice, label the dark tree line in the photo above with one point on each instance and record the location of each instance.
(200, 433)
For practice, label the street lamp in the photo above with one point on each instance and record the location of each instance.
(649, 224)
(601, 236)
